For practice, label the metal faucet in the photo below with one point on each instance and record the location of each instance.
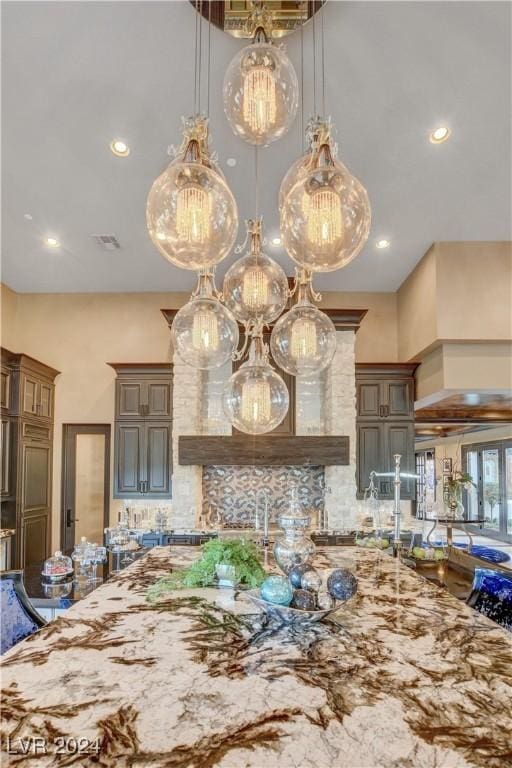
(259, 493)
(397, 541)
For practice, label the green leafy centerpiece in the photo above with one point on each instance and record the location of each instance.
(242, 555)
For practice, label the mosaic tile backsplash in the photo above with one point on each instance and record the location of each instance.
(231, 491)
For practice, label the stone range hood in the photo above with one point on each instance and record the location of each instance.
(263, 450)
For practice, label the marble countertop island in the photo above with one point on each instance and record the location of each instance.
(403, 676)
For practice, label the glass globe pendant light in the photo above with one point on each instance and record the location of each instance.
(260, 91)
(325, 216)
(255, 398)
(204, 332)
(303, 340)
(191, 214)
(255, 287)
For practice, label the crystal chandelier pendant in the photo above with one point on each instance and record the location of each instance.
(204, 332)
(325, 212)
(260, 90)
(191, 214)
(256, 398)
(255, 287)
(303, 340)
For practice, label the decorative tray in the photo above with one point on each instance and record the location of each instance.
(288, 615)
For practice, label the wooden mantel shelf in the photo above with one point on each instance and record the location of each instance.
(329, 450)
(343, 319)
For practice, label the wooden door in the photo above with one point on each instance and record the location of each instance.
(398, 399)
(30, 395)
(5, 454)
(157, 399)
(370, 453)
(85, 483)
(45, 400)
(400, 439)
(157, 453)
(34, 511)
(129, 457)
(5, 388)
(368, 399)
(129, 399)
(35, 538)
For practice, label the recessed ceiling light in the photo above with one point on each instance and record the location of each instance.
(276, 241)
(52, 242)
(27, 216)
(439, 135)
(383, 243)
(231, 161)
(119, 148)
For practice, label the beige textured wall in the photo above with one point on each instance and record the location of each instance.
(475, 276)
(377, 338)
(416, 307)
(8, 317)
(458, 292)
(79, 333)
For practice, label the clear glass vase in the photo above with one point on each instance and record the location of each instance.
(295, 547)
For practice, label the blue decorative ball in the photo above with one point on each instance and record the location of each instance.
(341, 584)
(304, 600)
(277, 589)
(296, 573)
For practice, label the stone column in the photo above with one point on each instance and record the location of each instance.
(186, 481)
(340, 417)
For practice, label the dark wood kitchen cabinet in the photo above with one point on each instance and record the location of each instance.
(27, 454)
(143, 431)
(385, 424)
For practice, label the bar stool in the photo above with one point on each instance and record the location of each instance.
(491, 594)
(19, 617)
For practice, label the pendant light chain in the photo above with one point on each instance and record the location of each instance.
(195, 61)
(257, 181)
(323, 60)
(302, 87)
(314, 63)
(200, 51)
(209, 56)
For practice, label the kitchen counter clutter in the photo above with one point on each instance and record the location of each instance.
(403, 674)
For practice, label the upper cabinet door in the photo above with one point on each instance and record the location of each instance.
(369, 399)
(400, 439)
(5, 389)
(45, 404)
(129, 459)
(130, 397)
(157, 456)
(30, 396)
(157, 400)
(399, 399)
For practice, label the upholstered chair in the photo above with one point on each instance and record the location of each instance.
(19, 619)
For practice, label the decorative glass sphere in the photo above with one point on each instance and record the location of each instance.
(192, 216)
(204, 333)
(261, 93)
(311, 580)
(294, 173)
(255, 286)
(325, 219)
(303, 341)
(295, 574)
(304, 600)
(255, 399)
(342, 584)
(277, 589)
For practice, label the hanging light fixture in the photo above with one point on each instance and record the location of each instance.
(325, 216)
(303, 340)
(191, 214)
(261, 91)
(204, 332)
(256, 398)
(255, 286)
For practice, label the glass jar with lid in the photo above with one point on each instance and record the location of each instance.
(57, 568)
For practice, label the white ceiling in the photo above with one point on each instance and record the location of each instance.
(77, 74)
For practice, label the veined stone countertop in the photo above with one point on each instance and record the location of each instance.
(404, 676)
